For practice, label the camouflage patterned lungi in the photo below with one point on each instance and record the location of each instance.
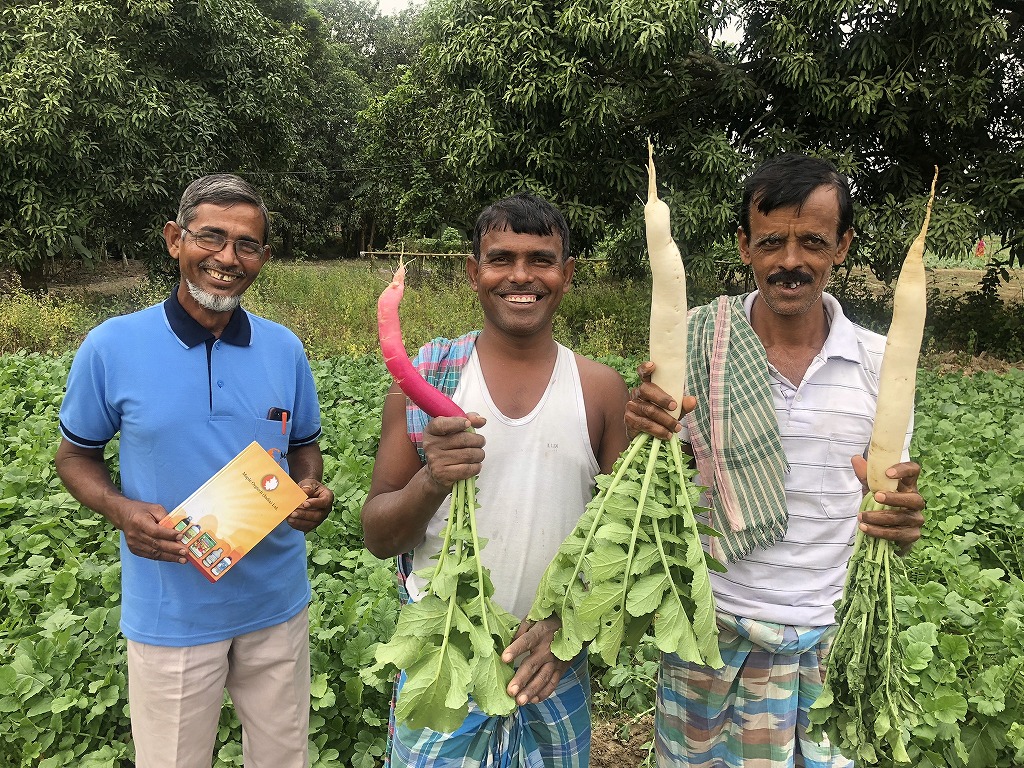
(752, 713)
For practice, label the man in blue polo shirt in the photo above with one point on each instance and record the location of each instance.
(188, 384)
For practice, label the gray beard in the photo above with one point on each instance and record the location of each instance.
(211, 301)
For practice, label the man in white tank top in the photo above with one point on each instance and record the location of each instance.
(546, 422)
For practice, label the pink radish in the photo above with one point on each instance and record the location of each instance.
(447, 665)
(433, 402)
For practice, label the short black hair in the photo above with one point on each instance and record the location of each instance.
(789, 179)
(524, 214)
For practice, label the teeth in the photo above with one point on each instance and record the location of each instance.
(522, 298)
(221, 275)
(792, 285)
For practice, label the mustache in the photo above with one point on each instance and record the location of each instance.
(790, 276)
(521, 288)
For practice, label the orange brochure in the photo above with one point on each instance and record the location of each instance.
(232, 511)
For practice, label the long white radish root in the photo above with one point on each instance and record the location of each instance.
(898, 377)
(668, 294)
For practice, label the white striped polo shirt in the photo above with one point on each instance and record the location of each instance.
(824, 421)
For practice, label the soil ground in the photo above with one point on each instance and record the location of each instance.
(959, 281)
(106, 278)
(611, 748)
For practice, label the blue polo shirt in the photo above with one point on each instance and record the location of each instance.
(185, 403)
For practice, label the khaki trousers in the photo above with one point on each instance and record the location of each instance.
(176, 695)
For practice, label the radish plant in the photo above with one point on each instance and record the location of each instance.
(449, 642)
(635, 557)
(867, 708)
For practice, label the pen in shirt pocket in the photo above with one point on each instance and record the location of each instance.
(275, 414)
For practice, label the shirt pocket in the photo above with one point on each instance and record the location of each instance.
(841, 491)
(269, 435)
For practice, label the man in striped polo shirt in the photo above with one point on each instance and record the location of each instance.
(786, 388)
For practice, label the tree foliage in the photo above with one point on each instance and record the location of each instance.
(413, 188)
(379, 172)
(895, 89)
(382, 45)
(107, 110)
(312, 189)
(559, 96)
(360, 126)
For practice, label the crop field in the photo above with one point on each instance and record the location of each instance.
(62, 677)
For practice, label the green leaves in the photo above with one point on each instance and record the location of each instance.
(963, 602)
(110, 108)
(434, 694)
(63, 687)
(449, 643)
(867, 707)
(634, 558)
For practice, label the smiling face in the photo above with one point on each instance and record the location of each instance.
(212, 282)
(520, 280)
(792, 251)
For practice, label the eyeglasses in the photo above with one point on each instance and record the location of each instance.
(248, 250)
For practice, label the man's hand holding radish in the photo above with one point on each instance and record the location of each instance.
(901, 524)
(540, 671)
(650, 408)
(453, 452)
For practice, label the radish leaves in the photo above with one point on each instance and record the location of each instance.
(449, 642)
(633, 560)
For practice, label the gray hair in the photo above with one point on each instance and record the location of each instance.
(221, 189)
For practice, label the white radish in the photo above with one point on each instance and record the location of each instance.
(629, 565)
(866, 708)
(668, 294)
(898, 377)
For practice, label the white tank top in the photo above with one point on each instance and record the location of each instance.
(538, 475)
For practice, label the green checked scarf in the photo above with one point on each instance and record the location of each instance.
(734, 431)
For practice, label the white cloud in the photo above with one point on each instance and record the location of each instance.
(394, 6)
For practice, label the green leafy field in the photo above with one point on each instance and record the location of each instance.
(62, 680)
(63, 693)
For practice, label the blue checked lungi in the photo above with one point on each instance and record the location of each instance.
(552, 734)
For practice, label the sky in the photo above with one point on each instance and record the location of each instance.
(393, 6)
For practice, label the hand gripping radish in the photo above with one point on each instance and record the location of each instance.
(449, 642)
(635, 558)
(866, 707)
